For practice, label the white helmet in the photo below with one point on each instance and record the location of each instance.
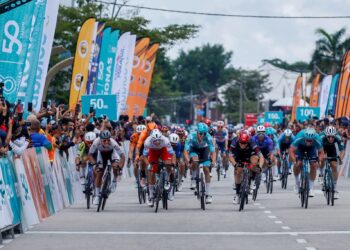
(174, 138)
(90, 136)
(156, 134)
(288, 132)
(260, 129)
(140, 128)
(220, 123)
(330, 131)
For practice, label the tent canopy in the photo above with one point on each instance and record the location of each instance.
(288, 102)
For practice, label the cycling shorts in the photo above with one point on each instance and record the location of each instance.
(203, 155)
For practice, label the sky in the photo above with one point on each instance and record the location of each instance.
(251, 40)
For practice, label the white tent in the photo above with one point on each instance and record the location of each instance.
(288, 102)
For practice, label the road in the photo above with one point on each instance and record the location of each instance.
(274, 222)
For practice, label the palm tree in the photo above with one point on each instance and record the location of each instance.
(330, 49)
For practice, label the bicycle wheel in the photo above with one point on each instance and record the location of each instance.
(165, 199)
(306, 191)
(301, 190)
(257, 184)
(88, 195)
(243, 194)
(104, 203)
(326, 188)
(99, 204)
(271, 181)
(267, 180)
(202, 192)
(218, 169)
(331, 187)
(158, 196)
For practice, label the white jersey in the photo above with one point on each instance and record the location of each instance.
(164, 143)
(98, 146)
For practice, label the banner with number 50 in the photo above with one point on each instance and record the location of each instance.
(15, 30)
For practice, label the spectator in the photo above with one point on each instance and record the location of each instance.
(37, 139)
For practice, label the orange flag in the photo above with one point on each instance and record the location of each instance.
(139, 56)
(297, 96)
(144, 82)
(315, 91)
(343, 88)
(81, 62)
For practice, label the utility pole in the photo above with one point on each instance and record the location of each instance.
(240, 102)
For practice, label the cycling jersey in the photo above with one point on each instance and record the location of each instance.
(283, 143)
(220, 136)
(177, 149)
(243, 154)
(300, 145)
(265, 146)
(97, 146)
(134, 138)
(192, 142)
(164, 143)
(330, 148)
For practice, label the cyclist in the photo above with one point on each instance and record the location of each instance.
(176, 161)
(265, 145)
(199, 147)
(183, 166)
(244, 149)
(284, 142)
(139, 150)
(271, 133)
(211, 129)
(132, 149)
(165, 131)
(221, 144)
(83, 155)
(107, 149)
(330, 138)
(310, 142)
(156, 147)
(231, 136)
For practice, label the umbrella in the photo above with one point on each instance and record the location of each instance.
(288, 102)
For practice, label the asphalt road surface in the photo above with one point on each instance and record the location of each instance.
(274, 221)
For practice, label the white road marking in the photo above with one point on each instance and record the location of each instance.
(272, 217)
(301, 241)
(192, 233)
(278, 222)
(262, 207)
(257, 204)
(285, 228)
(7, 241)
(1, 246)
(310, 248)
(267, 212)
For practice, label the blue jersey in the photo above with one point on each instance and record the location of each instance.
(265, 146)
(220, 136)
(177, 149)
(300, 141)
(192, 142)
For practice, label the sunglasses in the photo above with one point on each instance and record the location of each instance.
(201, 134)
(330, 137)
(243, 143)
(309, 141)
(261, 134)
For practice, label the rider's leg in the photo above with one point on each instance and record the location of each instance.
(296, 170)
(313, 172)
(335, 173)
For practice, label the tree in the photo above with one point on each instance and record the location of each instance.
(330, 48)
(254, 85)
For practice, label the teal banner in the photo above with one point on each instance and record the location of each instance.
(306, 113)
(102, 104)
(332, 95)
(107, 61)
(274, 117)
(15, 31)
(261, 120)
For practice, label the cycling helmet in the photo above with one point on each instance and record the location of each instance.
(140, 128)
(260, 129)
(165, 129)
(230, 130)
(243, 137)
(267, 124)
(174, 138)
(220, 124)
(270, 131)
(288, 132)
(310, 133)
(105, 134)
(180, 131)
(90, 136)
(330, 131)
(202, 128)
(156, 135)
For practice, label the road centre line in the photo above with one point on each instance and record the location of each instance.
(192, 233)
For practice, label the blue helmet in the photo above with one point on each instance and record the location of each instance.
(270, 131)
(310, 133)
(202, 128)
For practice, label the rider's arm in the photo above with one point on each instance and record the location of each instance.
(211, 149)
(93, 150)
(341, 148)
(292, 157)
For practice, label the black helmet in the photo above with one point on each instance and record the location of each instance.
(105, 134)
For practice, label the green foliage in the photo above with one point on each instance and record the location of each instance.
(296, 67)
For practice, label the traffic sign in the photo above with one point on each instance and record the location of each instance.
(274, 117)
(306, 113)
(102, 104)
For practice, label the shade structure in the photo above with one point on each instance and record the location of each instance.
(288, 102)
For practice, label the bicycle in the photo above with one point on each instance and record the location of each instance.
(160, 192)
(328, 183)
(106, 188)
(141, 191)
(285, 170)
(219, 164)
(89, 184)
(200, 185)
(257, 181)
(304, 188)
(176, 175)
(269, 178)
(245, 188)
